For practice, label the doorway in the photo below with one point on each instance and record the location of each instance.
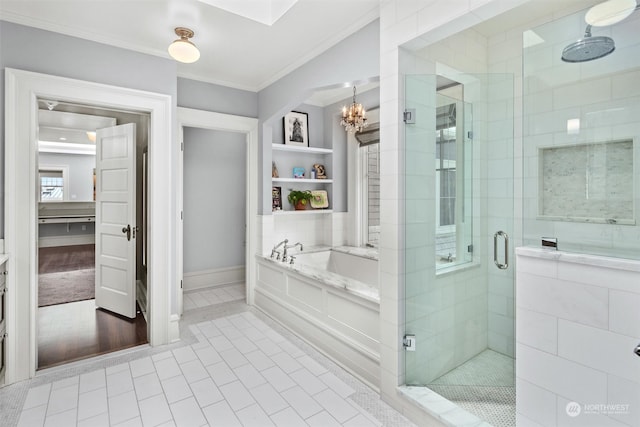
(73, 323)
(214, 219)
(22, 89)
(247, 130)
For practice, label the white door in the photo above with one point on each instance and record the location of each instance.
(115, 219)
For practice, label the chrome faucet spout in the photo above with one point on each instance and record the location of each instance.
(285, 255)
(275, 248)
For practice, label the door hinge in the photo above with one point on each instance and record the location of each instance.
(409, 342)
(180, 215)
(470, 134)
(180, 284)
(409, 116)
(182, 146)
(470, 248)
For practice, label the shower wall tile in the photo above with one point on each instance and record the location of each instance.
(537, 330)
(561, 376)
(624, 391)
(566, 348)
(624, 316)
(536, 397)
(552, 296)
(599, 348)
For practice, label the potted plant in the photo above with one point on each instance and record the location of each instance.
(299, 199)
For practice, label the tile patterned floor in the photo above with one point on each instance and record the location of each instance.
(484, 386)
(233, 367)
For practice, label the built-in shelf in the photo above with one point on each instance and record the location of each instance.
(303, 180)
(304, 212)
(296, 149)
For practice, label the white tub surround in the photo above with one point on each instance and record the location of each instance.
(577, 325)
(337, 314)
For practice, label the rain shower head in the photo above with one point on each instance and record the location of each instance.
(588, 48)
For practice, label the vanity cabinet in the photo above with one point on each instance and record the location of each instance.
(3, 317)
(286, 158)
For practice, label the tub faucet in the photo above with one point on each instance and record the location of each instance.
(274, 250)
(284, 255)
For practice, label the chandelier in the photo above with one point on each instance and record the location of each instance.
(353, 118)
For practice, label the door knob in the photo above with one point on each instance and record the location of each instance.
(127, 230)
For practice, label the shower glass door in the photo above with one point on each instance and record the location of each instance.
(459, 279)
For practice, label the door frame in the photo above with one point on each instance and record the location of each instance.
(22, 90)
(248, 126)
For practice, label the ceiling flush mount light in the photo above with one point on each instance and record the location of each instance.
(182, 49)
(609, 12)
(353, 118)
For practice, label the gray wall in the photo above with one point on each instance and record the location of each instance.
(315, 123)
(46, 52)
(80, 173)
(212, 97)
(214, 199)
(336, 65)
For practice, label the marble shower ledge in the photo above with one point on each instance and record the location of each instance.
(612, 221)
(577, 258)
(440, 408)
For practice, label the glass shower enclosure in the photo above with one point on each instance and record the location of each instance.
(459, 279)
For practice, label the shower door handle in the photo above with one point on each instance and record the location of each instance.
(501, 266)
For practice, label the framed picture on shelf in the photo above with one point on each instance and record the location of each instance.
(296, 129)
(276, 199)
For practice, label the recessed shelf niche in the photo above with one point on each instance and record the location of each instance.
(591, 182)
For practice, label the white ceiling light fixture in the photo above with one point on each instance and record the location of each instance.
(609, 12)
(182, 50)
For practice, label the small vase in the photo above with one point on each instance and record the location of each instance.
(300, 206)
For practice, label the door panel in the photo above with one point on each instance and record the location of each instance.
(115, 214)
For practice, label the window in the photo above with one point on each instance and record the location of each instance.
(370, 158)
(363, 152)
(53, 184)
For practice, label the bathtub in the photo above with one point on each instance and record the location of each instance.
(330, 299)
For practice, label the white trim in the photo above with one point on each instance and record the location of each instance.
(22, 89)
(79, 239)
(188, 117)
(66, 148)
(214, 277)
(174, 328)
(354, 172)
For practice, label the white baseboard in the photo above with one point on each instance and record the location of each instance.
(80, 239)
(215, 277)
(174, 328)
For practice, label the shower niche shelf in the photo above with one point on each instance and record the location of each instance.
(588, 182)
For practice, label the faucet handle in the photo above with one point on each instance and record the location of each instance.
(291, 259)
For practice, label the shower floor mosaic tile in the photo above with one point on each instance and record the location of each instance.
(233, 367)
(484, 386)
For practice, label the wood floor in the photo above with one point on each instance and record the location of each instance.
(77, 330)
(66, 258)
